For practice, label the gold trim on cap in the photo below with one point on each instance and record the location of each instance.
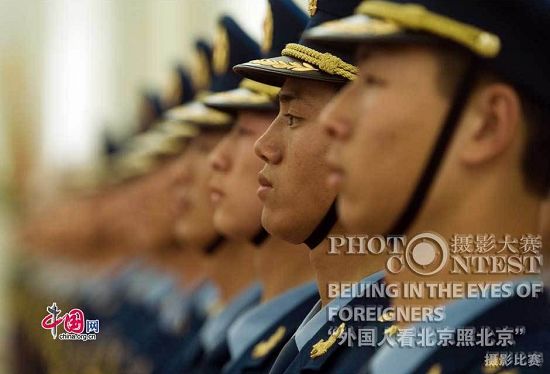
(179, 130)
(326, 62)
(238, 96)
(168, 146)
(248, 93)
(197, 112)
(417, 17)
(311, 60)
(261, 88)
(358, 25)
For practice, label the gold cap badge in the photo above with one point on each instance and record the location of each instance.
(200, 71)
(267, 41)
(221, 51)
(312, 7)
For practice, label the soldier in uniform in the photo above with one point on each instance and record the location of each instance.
(455, 96)
(298, 205)
(257, 336)
(229, 260)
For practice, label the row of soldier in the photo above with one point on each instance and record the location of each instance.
(209, 252)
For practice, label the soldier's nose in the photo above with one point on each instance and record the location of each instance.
(218, 162)
(267, 150)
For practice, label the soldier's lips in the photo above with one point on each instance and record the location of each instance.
(216, 195)
(335, 178)
(183, 206)
(183, 203)
(265, 187)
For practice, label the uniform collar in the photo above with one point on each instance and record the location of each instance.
(214, 330)
(318, 317)
(174, 311)
(204, 298)
(253, 324)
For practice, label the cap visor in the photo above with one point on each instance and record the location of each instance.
(274, 71)
(360, 29)
(240, 99)
(198, 114)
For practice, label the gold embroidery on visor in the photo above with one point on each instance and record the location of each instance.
(417, 17)
(279, 64)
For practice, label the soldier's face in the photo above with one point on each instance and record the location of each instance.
(383, 124)
(293, 180)
(194, 226)
(234, 180)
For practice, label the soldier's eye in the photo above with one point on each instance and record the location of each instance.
(243, 131)
(371, 80)
(290, 120)
(204, 148)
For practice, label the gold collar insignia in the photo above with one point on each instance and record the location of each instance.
(391, 331)
(265, 346)
(435, 369)
(322, 346)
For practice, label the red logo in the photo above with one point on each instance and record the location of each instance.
(73, 321)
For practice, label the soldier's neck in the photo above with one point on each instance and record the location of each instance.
(232, 268)
(281, 266)
(108, 265)
(335, 269)
(190, 264)
(508, 211)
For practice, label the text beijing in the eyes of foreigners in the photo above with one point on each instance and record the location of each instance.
(421, 259)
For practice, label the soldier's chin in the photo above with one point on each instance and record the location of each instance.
(356, 219)
(350, 216)
(193, 235)
(236, 228)
(283, 226)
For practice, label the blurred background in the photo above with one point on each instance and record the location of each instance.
(71, 78)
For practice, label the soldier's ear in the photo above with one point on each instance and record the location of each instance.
(491, 123)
